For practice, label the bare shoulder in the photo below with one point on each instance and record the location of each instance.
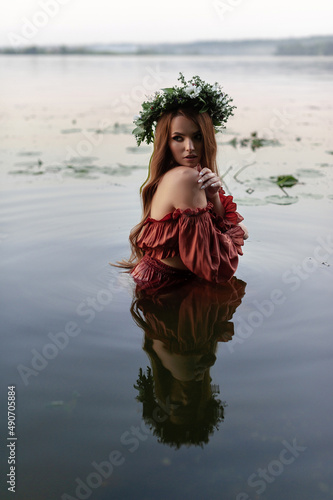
(181, 184)
(181, 174)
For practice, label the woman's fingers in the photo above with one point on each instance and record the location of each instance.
(210, 184)
(204, 177)
(209, 180)
(204, 170)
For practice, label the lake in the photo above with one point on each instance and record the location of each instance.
(202, 392)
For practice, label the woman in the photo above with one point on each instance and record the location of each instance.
(189, 227)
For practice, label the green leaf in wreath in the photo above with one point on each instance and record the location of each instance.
(204, 109)
(138, 130)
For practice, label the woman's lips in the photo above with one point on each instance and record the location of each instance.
(190, 157)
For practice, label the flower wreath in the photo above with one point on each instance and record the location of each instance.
(202, 96)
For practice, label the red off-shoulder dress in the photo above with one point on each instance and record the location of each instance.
(207, 244)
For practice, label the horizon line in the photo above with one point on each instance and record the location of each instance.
(233, 40)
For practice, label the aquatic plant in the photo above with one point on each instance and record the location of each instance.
(284, 180)
(254, 142)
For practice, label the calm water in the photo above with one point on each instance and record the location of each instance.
(202, 392)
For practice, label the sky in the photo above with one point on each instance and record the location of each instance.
(54, 22)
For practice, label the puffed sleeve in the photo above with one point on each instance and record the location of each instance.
(230, 208)
(209, 245)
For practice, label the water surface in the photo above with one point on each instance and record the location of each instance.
(250, 378)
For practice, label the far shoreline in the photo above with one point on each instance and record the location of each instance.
(312, 46)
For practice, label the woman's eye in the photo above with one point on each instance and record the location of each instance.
(179, 138)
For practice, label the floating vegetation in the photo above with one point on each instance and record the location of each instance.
(78, 168)
(100, 130)
(250, 201)
(29, 153)
(141, 149)
(28, 164)
(122, 128)
(309, 172)
(80, 171)
(284, 180)
(71, 130)
(281, 200)
(262, 182)
(254, 142)
(117, 128)
(233, 142)
(26, 172)
(67, 406)
(32, 168)
(252, 184)
(241, 170)
(312, 196)
(81, 160)
(133, 167)
(88, 171)
(281, 181)
(329, 152)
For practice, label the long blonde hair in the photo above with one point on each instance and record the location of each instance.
(162, 161)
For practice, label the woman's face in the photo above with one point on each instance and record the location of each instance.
(185, 142)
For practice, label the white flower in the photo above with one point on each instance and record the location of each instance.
(136, 117)
(193, 90)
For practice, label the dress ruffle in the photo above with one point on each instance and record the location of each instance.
(230, 208)
(179, 211)
(207, 243)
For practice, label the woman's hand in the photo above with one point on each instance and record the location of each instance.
(209, 181)
(246, 232)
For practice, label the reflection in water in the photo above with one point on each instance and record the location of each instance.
(182, 327)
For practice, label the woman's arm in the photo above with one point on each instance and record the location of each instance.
(218, 207)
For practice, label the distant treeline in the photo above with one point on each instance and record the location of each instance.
(318, 48)
(310, 46)
(47, 50)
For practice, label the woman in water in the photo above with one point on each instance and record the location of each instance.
(189, 228)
